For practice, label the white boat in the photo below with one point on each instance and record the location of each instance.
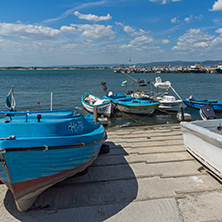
(167, 102)
(203, 139)
(219, 68)
(104, 106)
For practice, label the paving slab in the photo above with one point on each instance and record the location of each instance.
(147, 176)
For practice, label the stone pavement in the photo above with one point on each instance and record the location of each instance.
(147, 176)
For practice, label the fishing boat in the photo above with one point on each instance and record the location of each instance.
(41, 148)
(128, 104)
(216, 105)
(115, 97)
(203, 139)
(143, 105)
(168, 102)
(89, 102)
(219, 68)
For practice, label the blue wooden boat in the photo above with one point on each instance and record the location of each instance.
(115, 97)
(39, 149)
(128, 104)
(216, 105)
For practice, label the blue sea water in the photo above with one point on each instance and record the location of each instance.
(33, 86)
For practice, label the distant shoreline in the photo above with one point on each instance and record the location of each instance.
(51, 68)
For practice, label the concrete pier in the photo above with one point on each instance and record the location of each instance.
(147, 176)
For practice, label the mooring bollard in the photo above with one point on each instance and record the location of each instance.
(95, 114)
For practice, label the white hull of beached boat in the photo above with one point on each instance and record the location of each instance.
(203, 139)
(104, 107)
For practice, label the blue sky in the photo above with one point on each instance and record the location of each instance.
(68, 32)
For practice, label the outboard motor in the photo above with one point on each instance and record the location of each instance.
(206, 113)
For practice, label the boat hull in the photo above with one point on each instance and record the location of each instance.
(143, 110)
(44, 153)
(203, 141)
(106, 108)
(26, 190)
(198, 103)
(170, 106)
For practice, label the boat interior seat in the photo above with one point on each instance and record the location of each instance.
(98, 102)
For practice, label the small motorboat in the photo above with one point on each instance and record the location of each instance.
(216, 105)
(203, 139)
(104, 106)
(41, 148)
(168, 102)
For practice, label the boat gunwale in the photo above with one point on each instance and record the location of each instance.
(202, 132)
(99, 105)
(44, 148)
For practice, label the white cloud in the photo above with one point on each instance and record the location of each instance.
(187, 19)
(90, 31)
(131, 31)
(201, 45)
(91, 17)
(96, 31)
(174, 20)
(68, 29)
(219, 31)
(165, 41)
(164, 1)
(72, 10)
(28, 31)
(217, 6)
(192, 40)
(142, 40)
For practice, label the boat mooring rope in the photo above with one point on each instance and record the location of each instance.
(138, 121)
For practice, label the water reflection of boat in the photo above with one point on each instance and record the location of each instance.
(39, 149)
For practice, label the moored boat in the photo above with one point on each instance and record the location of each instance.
(128, 104)
(203, 139)
(143, 105)
(168, 102)
(104, 107)
(219, 68)
(39, 149)
(216, 105)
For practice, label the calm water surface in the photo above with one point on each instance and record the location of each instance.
(33, 86)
